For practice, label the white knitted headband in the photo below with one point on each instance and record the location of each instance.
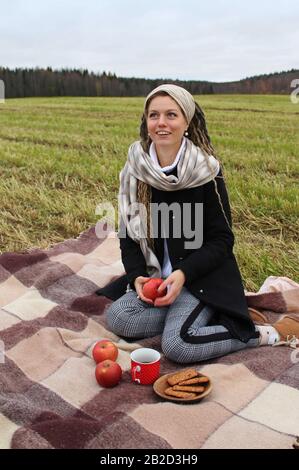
(180, 95)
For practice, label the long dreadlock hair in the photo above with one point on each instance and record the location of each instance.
(198, 134)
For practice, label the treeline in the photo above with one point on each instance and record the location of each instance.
(274, 83)
(29, 82)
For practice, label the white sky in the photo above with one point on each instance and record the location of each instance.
(219, 40)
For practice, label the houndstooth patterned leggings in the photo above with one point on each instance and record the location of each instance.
(186, 337)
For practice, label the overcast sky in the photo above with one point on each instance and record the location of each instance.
(219, 40)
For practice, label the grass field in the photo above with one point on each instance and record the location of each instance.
(60, 157)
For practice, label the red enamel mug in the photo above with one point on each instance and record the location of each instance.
(145, 365)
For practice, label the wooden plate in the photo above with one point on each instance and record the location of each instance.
(161, 384)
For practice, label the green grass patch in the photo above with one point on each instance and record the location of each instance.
(60, 157)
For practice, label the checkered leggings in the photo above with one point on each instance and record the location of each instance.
(186, 337)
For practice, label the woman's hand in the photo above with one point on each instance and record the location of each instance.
(176, 280)
(138, 283)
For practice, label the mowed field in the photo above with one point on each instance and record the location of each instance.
(60, 157)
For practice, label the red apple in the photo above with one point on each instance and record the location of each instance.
(103, 350)
(150, 288)
(108, 373)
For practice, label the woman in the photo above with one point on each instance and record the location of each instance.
(204, 313)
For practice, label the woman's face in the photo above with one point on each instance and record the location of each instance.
(164, 115)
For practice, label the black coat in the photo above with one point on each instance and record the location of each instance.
(212, 273)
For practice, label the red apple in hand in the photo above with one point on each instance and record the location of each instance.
(150, 289)
(103, 350)
(108, 373)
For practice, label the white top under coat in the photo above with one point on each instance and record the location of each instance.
(167, 267)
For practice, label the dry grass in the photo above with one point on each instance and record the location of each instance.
(60, 157)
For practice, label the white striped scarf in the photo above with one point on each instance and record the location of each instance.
(194, 169)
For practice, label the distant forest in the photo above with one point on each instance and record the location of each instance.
(29, 82)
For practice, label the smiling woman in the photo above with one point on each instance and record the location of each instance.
(174, 162)
(166, 128)
(203, 313)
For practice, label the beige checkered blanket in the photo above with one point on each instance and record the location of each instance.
(50, 318)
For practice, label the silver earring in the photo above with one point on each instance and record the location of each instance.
(186, 133)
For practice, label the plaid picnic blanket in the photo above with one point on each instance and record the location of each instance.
(50, 317)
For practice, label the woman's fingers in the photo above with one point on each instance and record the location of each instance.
(166, 300)
(139, 281)
(141, 297)
(169, 298)
(149, 301)
(143, 279)
(162, 303)
(140, 294)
